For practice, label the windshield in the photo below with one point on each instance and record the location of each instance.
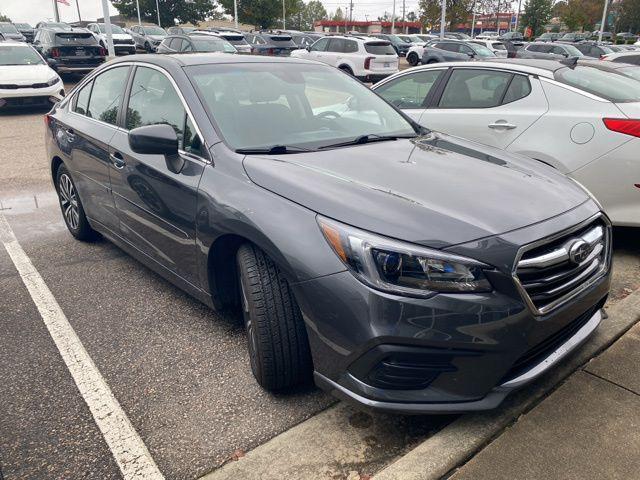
(573, 51)
(481, 50)
(394, 39)
(154, 30)
(75, 38)
(610, 85)
(212, 45)
(379, 48)
(463, 36)
(114, 28)
(19, 55)
(8, 28)
(498, 46)
(261, 105)
(63, 26)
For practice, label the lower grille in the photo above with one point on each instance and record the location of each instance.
(535, 355)
(554, 270)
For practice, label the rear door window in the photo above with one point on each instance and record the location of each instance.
(82, 99)
(104, 103)
(409, 91)
(336, 45)
(518, 88)
(471, 88)
(350, 46)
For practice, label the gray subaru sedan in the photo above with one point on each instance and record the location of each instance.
(400, 268)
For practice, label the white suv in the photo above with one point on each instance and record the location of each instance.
(368, 59)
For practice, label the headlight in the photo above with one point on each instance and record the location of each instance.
(53, 81)
(400, 267)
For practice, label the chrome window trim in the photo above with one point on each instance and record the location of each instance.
(555, 82)
(69, 99)
(604, 269)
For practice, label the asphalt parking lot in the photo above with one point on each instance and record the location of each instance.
(179, 371)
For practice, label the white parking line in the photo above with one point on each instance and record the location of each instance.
(128, 450)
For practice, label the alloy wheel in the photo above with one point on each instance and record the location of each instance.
(69, 201)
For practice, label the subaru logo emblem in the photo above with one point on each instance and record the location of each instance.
(579, 251)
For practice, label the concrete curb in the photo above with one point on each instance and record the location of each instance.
(460, 440)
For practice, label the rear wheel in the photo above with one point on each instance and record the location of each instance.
(71, 206)
(278, 345)
(412, 59)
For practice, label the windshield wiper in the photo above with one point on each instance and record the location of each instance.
(274, 150)
(362, 139)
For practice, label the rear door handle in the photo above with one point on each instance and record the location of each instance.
(117, 160)
(502, 125)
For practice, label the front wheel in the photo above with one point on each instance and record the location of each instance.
(278, 344)
(71, 206)
(412, 59)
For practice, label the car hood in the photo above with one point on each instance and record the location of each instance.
(117, 36)
(436, 190)
(26, 74)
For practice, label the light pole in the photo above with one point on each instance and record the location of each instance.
(138, 7)
(284, 25)
(158, 10)
(393, 17)
(107, 27)
(235, 12)
(473, 22)
(604, 19)
(443, 15)
(55, 10)
(78, 8)
(518, 15)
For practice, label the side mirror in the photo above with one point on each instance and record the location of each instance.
(157, 140)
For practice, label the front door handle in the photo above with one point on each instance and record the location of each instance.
(501, 124)
(117, 160)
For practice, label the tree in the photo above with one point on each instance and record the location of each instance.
(262, 13)
(537, 14)
(4, 18)
(171, 11)
(312, 12)
(338, 16)
(629, 18)
(580, 14)
(458, 11)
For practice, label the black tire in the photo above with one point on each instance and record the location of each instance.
(276, 334)
(412, 59)
(71, 207)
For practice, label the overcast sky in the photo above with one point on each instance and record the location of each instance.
(32, 11)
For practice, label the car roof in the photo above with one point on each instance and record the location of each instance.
(204, 59)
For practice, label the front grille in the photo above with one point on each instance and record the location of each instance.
(551, 272)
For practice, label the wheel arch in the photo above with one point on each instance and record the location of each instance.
(55, 165)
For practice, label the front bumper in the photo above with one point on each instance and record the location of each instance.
(450, 352)
(27, 97)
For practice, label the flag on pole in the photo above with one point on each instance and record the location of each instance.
(64, 2)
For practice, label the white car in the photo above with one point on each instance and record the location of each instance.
(414, 54)
(25, 78)
(583, 119)
(367, 59)
(495, 46)
(632, 58)
(235, 38)
(487, 36)
(123, 43)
